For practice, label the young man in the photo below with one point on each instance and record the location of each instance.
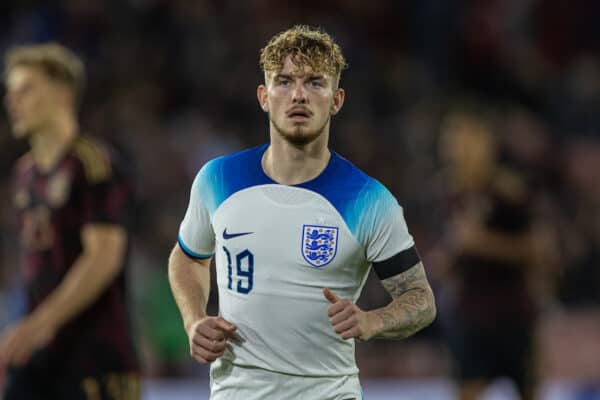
(72, 201)
(490, 318)
(294, 229)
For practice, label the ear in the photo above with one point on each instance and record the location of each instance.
(338, 101)
(261, 94)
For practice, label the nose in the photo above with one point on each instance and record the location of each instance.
(299, 93)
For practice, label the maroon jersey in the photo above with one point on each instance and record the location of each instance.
(87, 186)
(492, 289)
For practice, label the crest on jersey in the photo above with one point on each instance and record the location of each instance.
(58, 189)
(319, 244)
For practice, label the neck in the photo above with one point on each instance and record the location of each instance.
(291, 164)
(49, 143)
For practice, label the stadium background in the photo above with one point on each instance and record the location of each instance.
(173, 83)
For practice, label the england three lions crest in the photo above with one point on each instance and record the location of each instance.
(319, 244)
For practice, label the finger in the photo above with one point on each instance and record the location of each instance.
(225, 325)
(351, 333)
(345, 325)
(338, 307)
(215, 346)
(234, 337)
(209, 332)
(208, 356)
(198, 358)
(342, 315)
(205, 353)
(330, 296)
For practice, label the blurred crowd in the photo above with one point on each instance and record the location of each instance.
(172, 83)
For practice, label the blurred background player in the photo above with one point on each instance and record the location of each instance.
(73, 203)
(490, 315)
(294, 229)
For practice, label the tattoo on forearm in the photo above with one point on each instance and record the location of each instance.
(412, 307)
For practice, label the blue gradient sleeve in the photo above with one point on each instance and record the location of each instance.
(196, 236)
(378, 222)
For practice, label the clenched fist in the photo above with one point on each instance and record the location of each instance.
(208, 338)
(347, 319)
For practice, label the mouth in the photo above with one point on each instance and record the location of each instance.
(298, 114)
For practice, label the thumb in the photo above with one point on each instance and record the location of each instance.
(330, 296)
(225, 325)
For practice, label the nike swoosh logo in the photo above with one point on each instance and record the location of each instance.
(234, 235)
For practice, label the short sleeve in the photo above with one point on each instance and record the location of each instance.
(105, 189)
(109, 202)
(196, 235)
(383, 228)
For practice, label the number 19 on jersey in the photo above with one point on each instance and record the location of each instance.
(244, 271)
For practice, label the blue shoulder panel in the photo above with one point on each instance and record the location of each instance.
(223, 176)
(360, 199)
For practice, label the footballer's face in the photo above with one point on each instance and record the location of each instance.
(31, 99)
(300, 102)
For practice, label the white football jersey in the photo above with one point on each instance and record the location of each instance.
(277, 246)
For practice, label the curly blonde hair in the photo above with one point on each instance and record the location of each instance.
(307, 46)
(57, 62)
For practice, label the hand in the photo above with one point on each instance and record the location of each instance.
(347, 319)
(20, 341)
(208, 338)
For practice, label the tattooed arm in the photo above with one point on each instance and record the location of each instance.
(412, 308)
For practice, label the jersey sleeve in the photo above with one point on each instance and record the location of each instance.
(196, 236)
(109, 202)
(384, 230)
(106, 191)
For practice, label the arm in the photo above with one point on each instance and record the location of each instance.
(474, 238)
(412, 308)
(104, 247)
(190, 283)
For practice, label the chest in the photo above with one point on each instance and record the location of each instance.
(48, 202)
(53, 190)
(286, 236)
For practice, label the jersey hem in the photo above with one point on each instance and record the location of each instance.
(355, 372)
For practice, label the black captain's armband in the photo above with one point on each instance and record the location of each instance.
(397, 264)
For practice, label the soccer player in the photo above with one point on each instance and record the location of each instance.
(294, 229)
(491, 314)
(72, 199)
